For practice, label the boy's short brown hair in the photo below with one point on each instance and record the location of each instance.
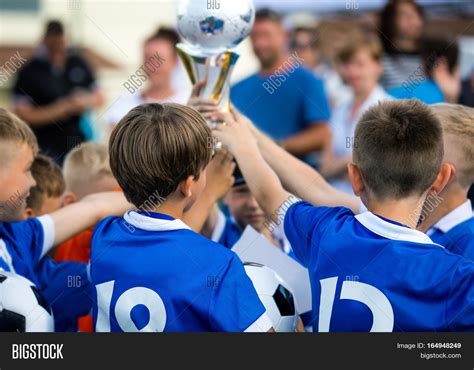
(49, 182)
(13, 129)
(155, 147)
(85, 165)
(360, 41)
(398, 148)
(458, 130)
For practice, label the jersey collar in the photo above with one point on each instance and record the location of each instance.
(151, 221)
(457, 216)
(390, 230)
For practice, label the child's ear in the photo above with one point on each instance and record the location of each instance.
(445, 175)
(27, 213)
(186, 187)
(356, 179)
(68, 198)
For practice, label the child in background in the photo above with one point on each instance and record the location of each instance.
(46, 196)
(86, 171)
(449, 217)
(54, 279)
(24, 244)
(244, 210)
(383, 270)
(438, 79)
(159, 154)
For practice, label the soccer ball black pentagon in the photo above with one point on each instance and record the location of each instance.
(275, 295)
(22, 308)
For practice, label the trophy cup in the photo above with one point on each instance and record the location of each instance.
(211, 29)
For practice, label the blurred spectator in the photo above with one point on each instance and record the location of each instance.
(361, 68)
(470, 195)
(53, 90)
(467, 91)
(305, 42)
(159, 63)
(401, 28)
(284, 99)
(439, 79)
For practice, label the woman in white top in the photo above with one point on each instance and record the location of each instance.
(157, 72)
(361, 68)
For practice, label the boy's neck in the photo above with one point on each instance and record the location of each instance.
(406, 212)
(451, 198)
(170, 209)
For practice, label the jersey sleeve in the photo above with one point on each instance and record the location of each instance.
(235, 305)
(315, 103)
(32, 238)
(304, 224)
(460, 304)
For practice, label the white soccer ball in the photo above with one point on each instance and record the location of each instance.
(22, 308)
(215, 25)
(275, 295)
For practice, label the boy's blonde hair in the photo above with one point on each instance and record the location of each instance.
(85, 165)
(458, 128)
(13, 129)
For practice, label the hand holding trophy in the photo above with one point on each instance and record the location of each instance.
(211, 30)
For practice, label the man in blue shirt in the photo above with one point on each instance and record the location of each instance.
(373, 271)
(284, 99)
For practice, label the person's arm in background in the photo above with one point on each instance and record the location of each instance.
(38, 116)
(87, 96)
(315, 115)
(311, 139)
(203, 213)
(332, 165)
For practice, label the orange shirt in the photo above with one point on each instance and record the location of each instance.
(78, 249)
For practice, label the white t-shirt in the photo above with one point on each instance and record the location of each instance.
(128, 101)
(343, 128)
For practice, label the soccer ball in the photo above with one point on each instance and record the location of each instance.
(22, 308)
(275, 296)
(215, 25)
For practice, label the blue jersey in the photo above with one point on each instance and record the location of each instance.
(151, 273)
(64, 285)
(226, 232)
(23, 244)
(371, 274)
(455, 231)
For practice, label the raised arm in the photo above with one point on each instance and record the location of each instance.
(263, 182)
(218, 182)
(298, 177)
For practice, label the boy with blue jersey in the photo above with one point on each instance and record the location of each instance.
(150, 271)
(24, 244)
(373, 271)
(449, 217)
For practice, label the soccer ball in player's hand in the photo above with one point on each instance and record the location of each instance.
(22, 308)
(275, 295)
